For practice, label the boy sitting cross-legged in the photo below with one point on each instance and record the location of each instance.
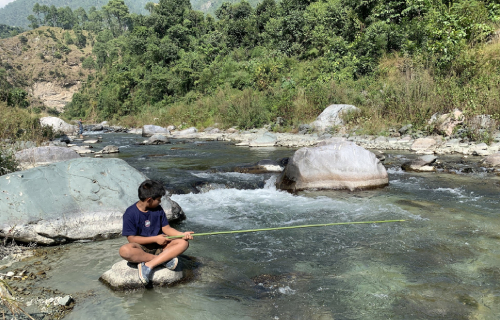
(145, 225)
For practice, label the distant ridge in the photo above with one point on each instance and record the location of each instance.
(15, 13)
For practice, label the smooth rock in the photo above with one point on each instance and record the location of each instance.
(332, 116)
(492, 160)
(333, 164)
(124, 276)
(149, 130)
(33, 157)
(82, 149)
(98, 127)
(267, 139)
(423, 144)
(79, 199)
(109, 149)
(65, 301)
(421, 164)
(447, 122)
(58, 125)
(185, 132)
(156, 139)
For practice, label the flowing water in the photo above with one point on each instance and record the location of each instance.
(443, 263)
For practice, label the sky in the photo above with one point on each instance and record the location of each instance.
(3, 3)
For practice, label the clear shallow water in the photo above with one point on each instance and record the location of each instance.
(443, 263)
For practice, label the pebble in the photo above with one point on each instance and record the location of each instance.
(65, 301)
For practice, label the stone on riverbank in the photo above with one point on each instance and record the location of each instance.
(58, 125)
(124, 275)
(333, 164)
(34, 157)
(423, 144)
(71, 200)
(492, 160)
(332, 116)
(150, 129)
(267, 139)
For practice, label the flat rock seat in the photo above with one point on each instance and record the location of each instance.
(123, 275)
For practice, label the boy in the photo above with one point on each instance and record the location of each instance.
(145, 225)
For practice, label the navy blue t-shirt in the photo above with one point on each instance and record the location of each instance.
(145, 224)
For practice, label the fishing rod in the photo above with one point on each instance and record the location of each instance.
(283, 228)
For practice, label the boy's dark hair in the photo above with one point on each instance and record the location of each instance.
(151, 189)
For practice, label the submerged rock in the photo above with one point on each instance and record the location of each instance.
(263, 166)
(77, 199)
(156, 139)
(109, 149)
(333, 164)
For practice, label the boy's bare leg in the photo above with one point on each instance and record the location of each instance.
(171, 250)
(133, 252)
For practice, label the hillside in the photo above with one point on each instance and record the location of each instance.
(16, 13)
(45, 66)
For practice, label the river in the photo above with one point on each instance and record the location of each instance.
(442, 263)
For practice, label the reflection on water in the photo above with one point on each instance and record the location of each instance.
(443, 263)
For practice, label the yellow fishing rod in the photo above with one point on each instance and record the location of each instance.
(283, 228)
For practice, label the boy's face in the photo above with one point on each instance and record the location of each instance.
(153, 203)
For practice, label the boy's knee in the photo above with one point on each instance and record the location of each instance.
(125, 251)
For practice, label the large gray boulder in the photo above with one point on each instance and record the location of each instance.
(150, 129)
(333, 164)
(332, 116)
(77, 199)
(58, 125)
(33, 157)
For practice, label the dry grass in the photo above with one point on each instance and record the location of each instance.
(8, 303)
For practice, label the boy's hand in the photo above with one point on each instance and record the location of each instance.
(161, 240)
(187, 235)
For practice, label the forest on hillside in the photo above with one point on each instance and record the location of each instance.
(15, 13)
(399, 61)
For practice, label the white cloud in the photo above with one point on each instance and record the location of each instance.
(3, 3)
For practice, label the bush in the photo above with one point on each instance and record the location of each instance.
(8, 162)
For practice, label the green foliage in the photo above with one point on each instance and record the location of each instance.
(289, 59)
(8, 31)
(8, 162)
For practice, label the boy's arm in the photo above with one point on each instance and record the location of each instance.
(169, 231)
(159, 239)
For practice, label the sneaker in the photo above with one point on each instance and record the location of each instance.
(144, 273)
(171, 264)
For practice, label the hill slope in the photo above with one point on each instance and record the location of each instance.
(39, 62)
(15, 13)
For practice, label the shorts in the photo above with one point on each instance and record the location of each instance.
(152, 249)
